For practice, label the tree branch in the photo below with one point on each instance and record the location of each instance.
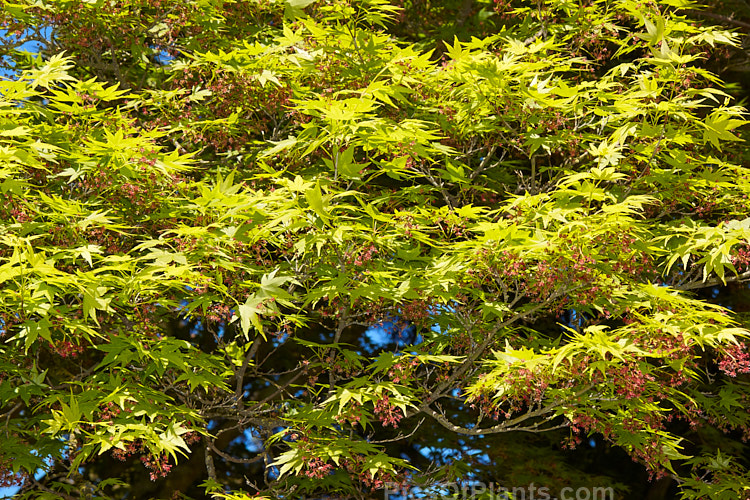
(241, 374)
(230, 458)
(468, 363)
(695, 285)
(400, 435)
(719, 17)
(507, 426)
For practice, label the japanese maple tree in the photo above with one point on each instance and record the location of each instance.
(265, 248)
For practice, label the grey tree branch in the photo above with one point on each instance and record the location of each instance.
(719, 17)
(695, 285)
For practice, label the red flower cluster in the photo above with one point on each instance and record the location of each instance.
(160, 466)
(735, 359)
(387, 413)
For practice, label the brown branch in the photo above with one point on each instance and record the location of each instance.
(210, 468)
(241, 374)
(280, 389)
(719, 17)
(713, 282)
(230, 458)
(468, 363)
(58, 494)
(508, 425)
(400, 435)
(10, 413)
(256, 421)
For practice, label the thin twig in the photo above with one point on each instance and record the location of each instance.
(400, 435)
(281, 389)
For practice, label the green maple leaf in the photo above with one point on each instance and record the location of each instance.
(718, 126)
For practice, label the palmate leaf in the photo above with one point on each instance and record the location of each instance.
(289, 461)
(718, 125)
(54, 70)
(314, 198)
(294, 8)
(171, 441)
(302, 250)
(248, 313)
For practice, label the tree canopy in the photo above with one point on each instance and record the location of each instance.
(289, 249)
